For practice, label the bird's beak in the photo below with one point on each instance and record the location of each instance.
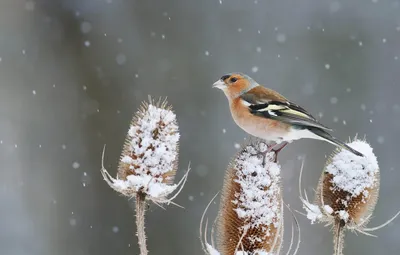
(219, 84)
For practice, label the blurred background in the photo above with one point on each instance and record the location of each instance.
(73, 72)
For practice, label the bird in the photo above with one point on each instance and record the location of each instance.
(266, 114)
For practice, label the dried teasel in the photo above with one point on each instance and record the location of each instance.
(347, 193)
(148, 162)
(250, 218)
(149, 158)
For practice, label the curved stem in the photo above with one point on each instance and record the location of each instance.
(140, 215)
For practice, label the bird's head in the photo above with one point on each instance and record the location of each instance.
(235, 84)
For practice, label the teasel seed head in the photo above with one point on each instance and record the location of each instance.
(349, 186)
(347, 192)
(251, 209)
(149, 158)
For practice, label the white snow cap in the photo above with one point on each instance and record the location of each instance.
(344, 215)
(352, 173)
(259, 201)
(211, 250)
(313, 212)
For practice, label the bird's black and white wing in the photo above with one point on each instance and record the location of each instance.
(284, 111)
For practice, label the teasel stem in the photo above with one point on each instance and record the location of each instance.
(338, 238)
(140, 221)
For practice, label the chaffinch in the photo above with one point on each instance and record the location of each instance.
(266, 114)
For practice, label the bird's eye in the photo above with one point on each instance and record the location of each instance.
(233, 79)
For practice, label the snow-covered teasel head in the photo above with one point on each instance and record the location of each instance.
(250, 218)
(149, 158)
(348, 187)
(347, 192)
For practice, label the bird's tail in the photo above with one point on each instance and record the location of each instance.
(329, 138)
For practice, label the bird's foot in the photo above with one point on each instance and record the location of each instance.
(276, 148)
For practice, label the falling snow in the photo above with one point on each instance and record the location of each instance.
(75, 165)
(334, 100)
(86, 27)
(72, 222)
(121, 59)
(281, 38)
(270, 48)
(202, 170)
(30, 5)
(334, 6)
(254, 69)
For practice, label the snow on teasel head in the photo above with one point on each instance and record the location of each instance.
(250, 218)
(347, 192)
(149, 158)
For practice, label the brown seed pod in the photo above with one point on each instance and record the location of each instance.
(149, 157)
(347, 192)
(250, 217)
(349, 185)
